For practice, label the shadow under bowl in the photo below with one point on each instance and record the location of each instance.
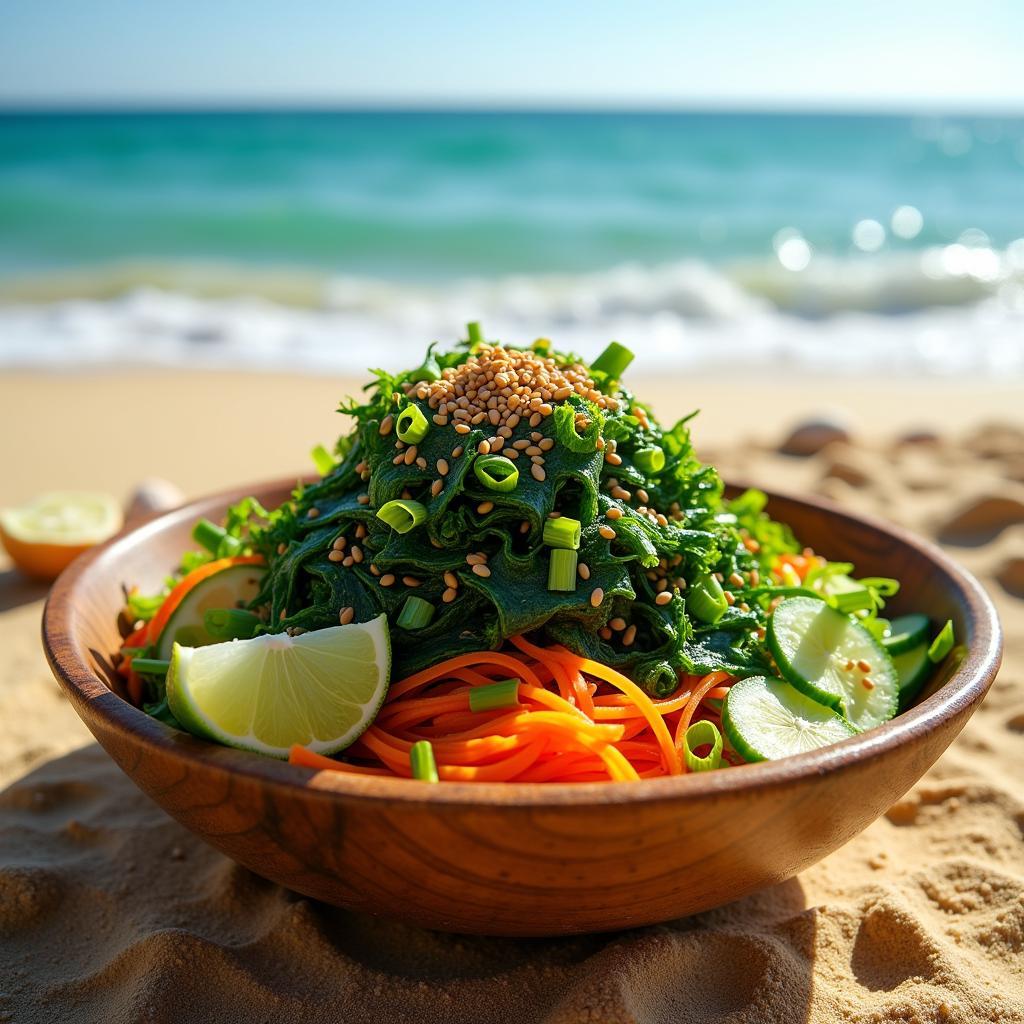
(524, 859)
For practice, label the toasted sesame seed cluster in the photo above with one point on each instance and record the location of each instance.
(504, 386)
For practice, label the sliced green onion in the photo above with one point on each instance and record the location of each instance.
(562, 532)
(941, 645)
(475, 334)
(698, 735)
(706, 599)
(402, 515)
(853, 600)
(495, 695)
(496, 472)
(150, 666)
(215, 538)
(416, 613)
(231, 623)
(562, 569)
(649, 460)
(421, 759)
(411, 425)
(613, 360)
(322, 459)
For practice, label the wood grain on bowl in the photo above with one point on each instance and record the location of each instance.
(524, 859)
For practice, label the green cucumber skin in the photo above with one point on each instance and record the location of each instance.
(905, 638)
(911, 685)
(836, 701)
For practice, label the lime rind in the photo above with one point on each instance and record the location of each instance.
(813, 643)
(766, 719)
(320, 689)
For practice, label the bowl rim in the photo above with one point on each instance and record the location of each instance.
(965, 686)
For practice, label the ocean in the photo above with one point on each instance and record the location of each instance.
(748, 241)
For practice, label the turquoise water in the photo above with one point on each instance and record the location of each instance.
(425, 196)
(301, 238)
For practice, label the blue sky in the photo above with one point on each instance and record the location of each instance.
(789, 53)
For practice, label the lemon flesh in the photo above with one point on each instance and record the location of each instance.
(320, 689)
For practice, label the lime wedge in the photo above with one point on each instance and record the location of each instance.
(320, 689)
(63, 517)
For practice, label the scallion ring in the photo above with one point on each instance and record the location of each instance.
(416, 613)
(402, 515)
(411, 425)
(494, 695)
(698, 735)
(650, 460)
(706, 599)
(496, 472)
(563, 532)
(422, 763)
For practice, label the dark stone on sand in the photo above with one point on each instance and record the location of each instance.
(981, 520)
(808, 438)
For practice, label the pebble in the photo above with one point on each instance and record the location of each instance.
(982, 518)
(809, 437)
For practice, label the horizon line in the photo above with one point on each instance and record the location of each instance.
(852, 108)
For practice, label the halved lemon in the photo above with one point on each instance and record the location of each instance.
(320, 689)
(46, 535)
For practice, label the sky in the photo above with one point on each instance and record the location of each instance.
(646, 53)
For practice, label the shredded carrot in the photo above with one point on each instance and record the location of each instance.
(571, 719)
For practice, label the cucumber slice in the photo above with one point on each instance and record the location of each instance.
(813, 644)
(233, 587)
(905, 633)
(766, 719)
(913, 668)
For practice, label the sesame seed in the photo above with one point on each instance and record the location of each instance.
(436, 487)
(755, 577)
(533, 450)
(537, 460)
(357, 553)
(411, 581)
(848, 667)
(335, 556)
(661, 520)
(476, 558)
(387, 579)
(613, 459)
(386, 424)
(421, 462)
(449, 595)
(535, 436)
(730, 597)
(374, 569)
(457, 451)
(451, 580)
(864, 666)
(363, 499)
(484, 448)
(621, 493)
(347, 561)
(398, 459)
(346, 615)
(614, 513)
(661, 585)
(868, 684)
(497, 443)
(607, 532)
(642, 495)
(584, 571)
(511, 453)
(545, 444)
(629, 636)
(737, 580)
(462, 428)
(538, 472)
(484, 507)
(360, 532)
(313, 513)
(605, 633)
(596, 597)
(663, 598)
(524, 526)
(618, 624)
(481, 570)
(535, 419)
(521, 445)
(410, 455)
(282, 548)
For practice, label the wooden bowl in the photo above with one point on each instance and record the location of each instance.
(524, 859)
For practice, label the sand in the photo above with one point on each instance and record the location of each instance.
(110, 911)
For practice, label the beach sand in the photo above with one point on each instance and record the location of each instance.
(110, 911)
